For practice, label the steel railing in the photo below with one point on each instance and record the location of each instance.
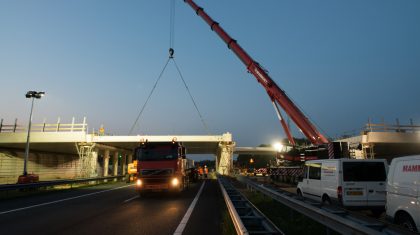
(45, 127)
(246, 218)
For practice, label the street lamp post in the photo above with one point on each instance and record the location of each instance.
(29, 95)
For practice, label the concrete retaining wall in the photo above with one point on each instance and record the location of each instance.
(47, 166)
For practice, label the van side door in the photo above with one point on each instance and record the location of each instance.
(314, 181)
(305, 183)
(404, 193)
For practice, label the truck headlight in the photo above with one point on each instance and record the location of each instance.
(139, 182)
(175, 182)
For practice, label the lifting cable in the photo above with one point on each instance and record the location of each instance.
(192, 98)
(172, 25)
(171, 57)
(148, 98)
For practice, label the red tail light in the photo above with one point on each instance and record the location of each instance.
(340, 194)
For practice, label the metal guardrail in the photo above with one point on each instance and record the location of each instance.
(9, 187)
(246, 218)
(237, 222)
(335, 219)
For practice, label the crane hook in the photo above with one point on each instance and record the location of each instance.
(171, 53)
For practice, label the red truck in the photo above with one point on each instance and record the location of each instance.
(161, 167)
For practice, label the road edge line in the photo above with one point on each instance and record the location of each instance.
(187, 215)
(61, 200)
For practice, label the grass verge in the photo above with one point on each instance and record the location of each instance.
(227, 224)
(285, 218)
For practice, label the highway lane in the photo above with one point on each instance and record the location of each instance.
(209, 209)
(116, 211)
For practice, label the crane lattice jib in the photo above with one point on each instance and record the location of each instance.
(273, 90)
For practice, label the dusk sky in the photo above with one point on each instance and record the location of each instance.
(341, 62)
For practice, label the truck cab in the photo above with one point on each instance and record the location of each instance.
(161, 167)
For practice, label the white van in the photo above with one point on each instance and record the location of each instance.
(403, 192)
(355, 184)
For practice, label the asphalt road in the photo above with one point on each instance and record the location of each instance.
(114, 209)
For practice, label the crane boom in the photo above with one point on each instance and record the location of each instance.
(275, 93)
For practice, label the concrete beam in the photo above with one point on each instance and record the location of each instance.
(391, 137)
(226, 137)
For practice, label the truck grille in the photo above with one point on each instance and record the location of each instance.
(148, 181)
(156, 172)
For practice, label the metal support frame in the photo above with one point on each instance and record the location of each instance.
(85, 162)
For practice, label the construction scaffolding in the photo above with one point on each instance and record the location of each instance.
(87, 160)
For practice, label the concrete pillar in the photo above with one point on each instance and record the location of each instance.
(130, 158)
(217, 160)
(93, 163)
(115, 164)
(224, 158)
(123, 164)
(106, 162)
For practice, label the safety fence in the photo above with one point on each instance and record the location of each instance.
(44, 127)
(246, 218)
(333, 218)
(289, 175)
(383, 127)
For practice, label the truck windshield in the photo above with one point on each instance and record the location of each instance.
(364, 171)
(157, 153)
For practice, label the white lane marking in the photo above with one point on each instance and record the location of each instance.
(187, 215)
(130, 199)
(62, 200)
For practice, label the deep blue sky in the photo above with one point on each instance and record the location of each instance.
(342, 62)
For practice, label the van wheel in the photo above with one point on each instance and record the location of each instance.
(377, 212)
(326, 201)
(406, 221)
(299, 195)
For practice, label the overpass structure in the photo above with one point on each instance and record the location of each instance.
(380, 140)
(73, 152)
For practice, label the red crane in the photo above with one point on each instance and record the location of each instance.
(276, 94)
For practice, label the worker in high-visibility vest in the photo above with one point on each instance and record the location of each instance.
(206, 171)
(200, 172)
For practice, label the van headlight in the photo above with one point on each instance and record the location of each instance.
(175, 182)
(139, 183)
